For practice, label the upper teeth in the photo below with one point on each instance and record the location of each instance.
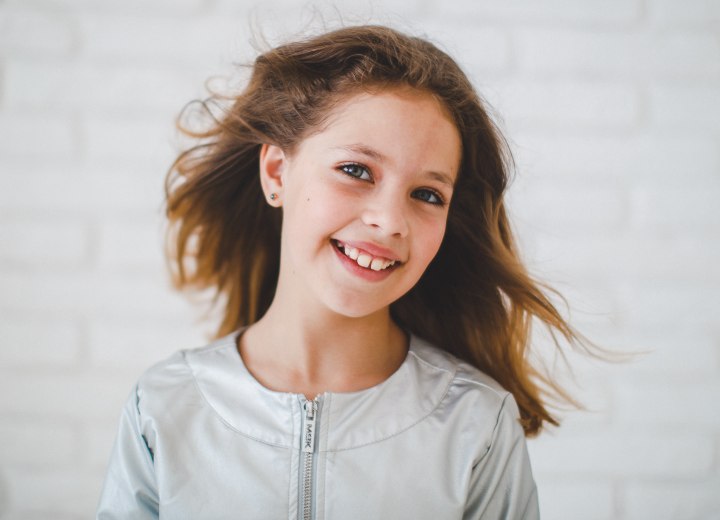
(364, 259)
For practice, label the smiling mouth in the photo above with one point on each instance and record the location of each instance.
(365, 259)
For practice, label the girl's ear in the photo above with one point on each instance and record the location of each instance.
(273, 162)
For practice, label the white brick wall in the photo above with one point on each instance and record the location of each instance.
(613, 111)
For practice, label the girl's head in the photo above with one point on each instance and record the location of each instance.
(376, 138)
(292, 96)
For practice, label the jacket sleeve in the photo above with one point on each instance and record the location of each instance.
(501, 483)
(130, 490)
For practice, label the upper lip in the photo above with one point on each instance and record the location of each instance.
(373, 249)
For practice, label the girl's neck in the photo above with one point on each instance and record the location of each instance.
(290, 350)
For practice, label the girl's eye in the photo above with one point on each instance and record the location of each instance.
(429, 196)
(356, 170)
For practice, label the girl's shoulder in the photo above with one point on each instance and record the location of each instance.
(468, 388)
(177, 373)
(473, 398)
(464, 375)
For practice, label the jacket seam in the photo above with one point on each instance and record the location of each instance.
(223, 344)
(219, 415)
(412, 425)
(478, 383)
(455, 376)
(494, 432)
(432, 365)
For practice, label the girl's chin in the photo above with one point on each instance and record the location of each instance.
(355, 306)
(357, 311)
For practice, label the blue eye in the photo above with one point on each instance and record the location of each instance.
(428, 196)
(356, 170)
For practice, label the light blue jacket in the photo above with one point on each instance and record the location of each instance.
(200, 438)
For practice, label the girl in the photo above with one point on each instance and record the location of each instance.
(371, 361)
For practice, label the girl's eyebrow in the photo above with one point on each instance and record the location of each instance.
(374, 154)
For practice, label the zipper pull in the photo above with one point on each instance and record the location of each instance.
(309, 428)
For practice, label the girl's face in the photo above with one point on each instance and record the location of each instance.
(365, 200)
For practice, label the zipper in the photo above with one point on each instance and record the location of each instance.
(308, 441)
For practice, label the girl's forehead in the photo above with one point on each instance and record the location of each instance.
(403, 109)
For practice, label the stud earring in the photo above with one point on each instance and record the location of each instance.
(273, 196)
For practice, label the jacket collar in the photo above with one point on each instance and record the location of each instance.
(348, 420)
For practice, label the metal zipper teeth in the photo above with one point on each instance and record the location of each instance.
(307, 487)
(308, 448)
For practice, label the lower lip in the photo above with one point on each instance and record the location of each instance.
(365, 274)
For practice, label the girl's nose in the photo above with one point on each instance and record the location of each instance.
(388, 217)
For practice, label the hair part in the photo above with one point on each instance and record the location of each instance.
(476, 299)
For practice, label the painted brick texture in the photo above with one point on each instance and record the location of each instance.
(612, 109)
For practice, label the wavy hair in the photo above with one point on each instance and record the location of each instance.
(476, 299)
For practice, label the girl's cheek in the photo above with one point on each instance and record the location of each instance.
(327, 200)
(435, 237)
(434, 225)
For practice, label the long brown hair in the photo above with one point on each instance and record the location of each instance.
(475, 300)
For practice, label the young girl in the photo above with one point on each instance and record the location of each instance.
(348, 206)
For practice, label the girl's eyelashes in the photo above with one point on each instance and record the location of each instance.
(356, 170)
(429, 196)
